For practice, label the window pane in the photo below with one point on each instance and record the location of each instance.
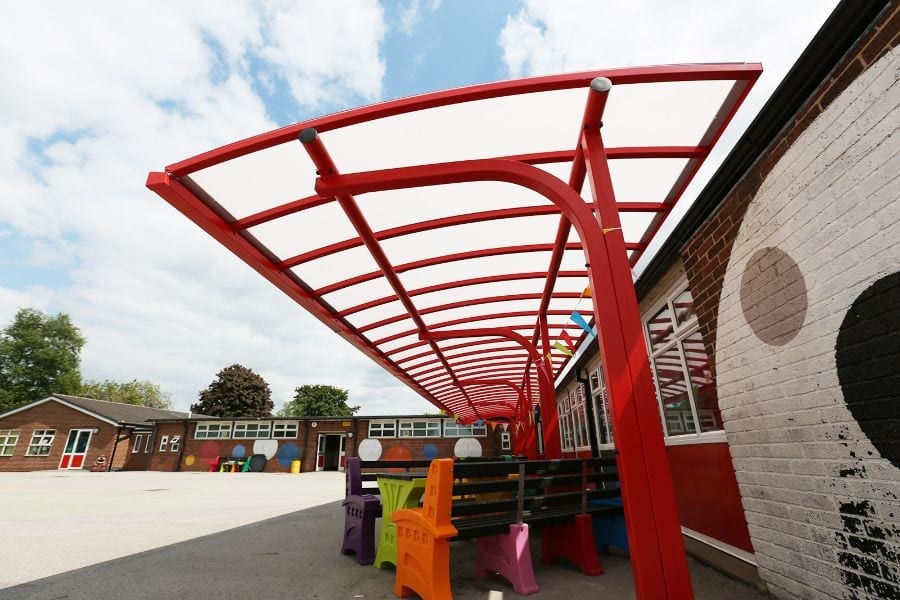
(702, 383)
(660, 328)
(684, 307)
(674, 391)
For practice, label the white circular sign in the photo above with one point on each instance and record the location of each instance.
(266, 447)
(369, 449)
(467, 448)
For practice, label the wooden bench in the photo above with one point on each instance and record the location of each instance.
(560, 503)
(362, 505)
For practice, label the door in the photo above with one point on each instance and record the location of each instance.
(76, 449)
(333, 445)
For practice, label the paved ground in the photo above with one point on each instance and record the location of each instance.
(58, 521)
(291, 556)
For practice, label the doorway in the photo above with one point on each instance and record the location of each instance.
(330, 452)
(76, 448)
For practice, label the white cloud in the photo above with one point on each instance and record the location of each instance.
(411, 14)
(555, 36)
(96, 97)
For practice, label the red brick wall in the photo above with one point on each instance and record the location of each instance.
(53, 415)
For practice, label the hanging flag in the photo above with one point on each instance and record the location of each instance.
(608, 229)
(479, 423)
(562, 348)
(505, 426)
(568, 340)
(587, 292)
(549, 359)
(493, 425)
(579, 320)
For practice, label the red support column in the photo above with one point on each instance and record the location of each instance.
(627, 368)
(549, 413)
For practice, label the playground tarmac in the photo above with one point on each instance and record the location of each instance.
(210, 536)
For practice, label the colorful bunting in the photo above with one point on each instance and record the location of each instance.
(568, 340)
(579, 320)
(587, 293)
(562, 348)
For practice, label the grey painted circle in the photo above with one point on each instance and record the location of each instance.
(773, 296)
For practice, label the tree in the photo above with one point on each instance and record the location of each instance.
(139, 393)
(318, 401)
(39, 356)
(236, 392)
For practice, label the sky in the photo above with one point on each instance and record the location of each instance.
(96, 95)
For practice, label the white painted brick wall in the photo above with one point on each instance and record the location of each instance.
(833, 204)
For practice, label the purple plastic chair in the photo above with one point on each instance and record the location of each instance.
(360, 512)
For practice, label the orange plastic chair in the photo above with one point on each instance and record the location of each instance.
(423, 538)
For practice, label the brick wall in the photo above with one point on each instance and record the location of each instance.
(53, 415)
(196, 455)
(795, 280)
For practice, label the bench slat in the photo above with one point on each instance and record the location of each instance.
(529, 503)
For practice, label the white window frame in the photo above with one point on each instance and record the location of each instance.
(175, 444)
(285, 430)
(163, 443)
(8, 440)
(149, 442)
(571, 407)
(138, 438)
(41, 439)
(222, 431)
(406, 428)
(505, 440)
(452, 429)
(243, 430)
(379, 428)
(600, 400)
(681, 331)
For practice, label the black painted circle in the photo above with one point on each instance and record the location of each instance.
(258, 463)
(868, 364)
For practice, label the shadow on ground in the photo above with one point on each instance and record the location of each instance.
(295, 557)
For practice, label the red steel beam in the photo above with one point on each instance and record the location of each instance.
(628, 75)
(458, 284)
(463, 320)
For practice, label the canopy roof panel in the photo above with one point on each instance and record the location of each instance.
(389, 266)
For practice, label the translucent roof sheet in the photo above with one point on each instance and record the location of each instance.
(457, 256)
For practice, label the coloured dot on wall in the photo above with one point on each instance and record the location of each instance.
(265, 447)
(209, 451)
(190, 459)
(398, 453)
(430, 451)
(287, 454)
(369, 449)
(240, 451)
(467, 448)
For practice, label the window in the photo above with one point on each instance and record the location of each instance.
(685, 387)
(211, 431)
(453, 429)
(41, 440)
(8, 440)
(284, 430)
(163, 443)
(505, 441)
(413, 428)
(147, 446)
(252, 431)
(383, 429)
(137, 444)
(573, 423)
(176, 442)
(602, 414)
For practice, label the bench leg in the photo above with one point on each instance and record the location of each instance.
(423, 565)
(359, 528)
(509, 555)
(574, 542)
